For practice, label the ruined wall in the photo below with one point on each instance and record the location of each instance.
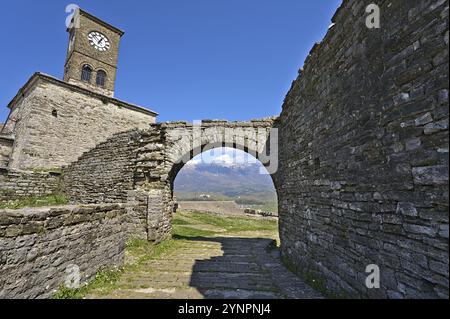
(57, 122)
(16, 185)
(104, 174)
(364, 153)
(39, 247)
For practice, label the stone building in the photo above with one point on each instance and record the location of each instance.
(52, 122)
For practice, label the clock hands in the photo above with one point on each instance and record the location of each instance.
(99, 41)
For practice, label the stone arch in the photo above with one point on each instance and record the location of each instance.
(138, 167)
(170, 145)
(178, 164)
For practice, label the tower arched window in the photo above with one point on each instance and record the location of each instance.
(101, 78)
(86, 73)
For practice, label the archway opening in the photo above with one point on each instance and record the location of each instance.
(225, 227)
(224, 191)
(226, 174)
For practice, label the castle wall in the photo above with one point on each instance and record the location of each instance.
(104, 174)
(364, 154)
(57, 122)
(16, 185)
(42, 248)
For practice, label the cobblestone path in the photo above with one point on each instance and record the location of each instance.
(213, 267)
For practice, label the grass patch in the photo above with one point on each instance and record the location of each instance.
(179, 221)
(104, 280)
(230, 224)
(184, 231)
(38, 201)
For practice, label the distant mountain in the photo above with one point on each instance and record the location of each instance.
(228, 180)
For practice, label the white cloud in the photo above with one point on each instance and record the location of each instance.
(223, 156)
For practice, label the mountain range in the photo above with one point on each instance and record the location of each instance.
(224, 180)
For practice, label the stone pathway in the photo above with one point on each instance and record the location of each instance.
(214, 267)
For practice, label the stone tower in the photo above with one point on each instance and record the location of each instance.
(92, 53)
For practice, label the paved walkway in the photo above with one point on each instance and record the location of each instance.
(216, 267)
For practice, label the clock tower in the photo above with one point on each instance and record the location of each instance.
(92, 53)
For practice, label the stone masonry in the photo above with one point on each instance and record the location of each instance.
(40, 248)
(364, 154)
(139, 167)
(80, 52)
(53, 122)
(362, 175)
(16, 185)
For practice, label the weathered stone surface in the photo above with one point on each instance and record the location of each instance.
(41, 244)
(430, 175)
(376, 120)
(15, 185)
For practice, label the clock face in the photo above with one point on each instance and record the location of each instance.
(99, 41)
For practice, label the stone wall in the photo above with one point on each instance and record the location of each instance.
(364, 154)
(104, 174)
(139, 167)
(54, 122)
(41, 247)
(6, 146)
(16, 185)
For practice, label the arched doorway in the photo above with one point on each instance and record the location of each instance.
(168, 147)
(226, 247)
(225, 182)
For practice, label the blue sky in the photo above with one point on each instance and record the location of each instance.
(187, 60)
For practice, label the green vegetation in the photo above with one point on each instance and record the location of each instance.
(103, 280)
(186, 226)
(183, 232)
(50, 200)
(265, 200)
